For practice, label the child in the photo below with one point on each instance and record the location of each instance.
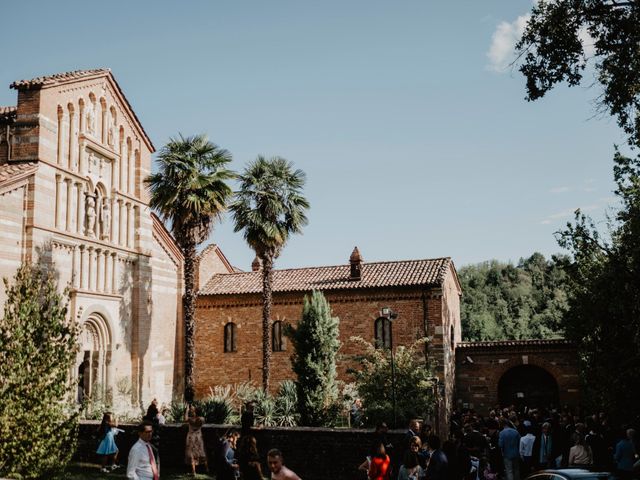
(107, 448)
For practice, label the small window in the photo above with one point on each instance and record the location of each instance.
(277, 339)
(453, 337)
(230, 337)
(382, 333)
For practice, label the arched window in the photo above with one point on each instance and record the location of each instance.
(230, 337)
(277, 338)
(382, 333)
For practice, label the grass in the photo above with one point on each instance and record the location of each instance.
(90, 471)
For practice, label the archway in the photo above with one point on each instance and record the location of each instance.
(93, 358)
(528, 385)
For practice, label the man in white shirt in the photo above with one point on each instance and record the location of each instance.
(526, 448)
(278, 470)
(143, 464)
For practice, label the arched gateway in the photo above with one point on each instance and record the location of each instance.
(535, 373)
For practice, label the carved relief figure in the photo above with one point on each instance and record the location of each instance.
(105, 219)
(113, 129)
(90, 118)
(90, 216)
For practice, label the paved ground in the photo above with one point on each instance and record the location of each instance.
(88, 471)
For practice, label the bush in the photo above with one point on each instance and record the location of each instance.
(414, 383)
(287, 405)
(214, 410)
(38, 344)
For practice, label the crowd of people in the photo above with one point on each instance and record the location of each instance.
(235, 455)
(508, 444)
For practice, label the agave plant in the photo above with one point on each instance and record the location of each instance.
(214, 410)
(287, 405)
(265, 409)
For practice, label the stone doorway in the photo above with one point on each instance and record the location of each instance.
(528, 385)
(93, 361)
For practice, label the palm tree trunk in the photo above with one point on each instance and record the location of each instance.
(267, 279)
(189, 305)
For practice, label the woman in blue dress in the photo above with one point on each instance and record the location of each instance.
(107, 448)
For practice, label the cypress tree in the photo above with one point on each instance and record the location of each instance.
(316, 346)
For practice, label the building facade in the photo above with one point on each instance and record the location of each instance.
(425, 294)
(73, 158)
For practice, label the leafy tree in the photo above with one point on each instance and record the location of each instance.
(316, 344)
(268, 208)
(604, 288)
(552, 48)
(414, 382)
(190, 192)
(504, 301)
(38, 345)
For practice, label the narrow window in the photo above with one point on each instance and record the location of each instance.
(277, 339)
(230, 337)
(382, 333)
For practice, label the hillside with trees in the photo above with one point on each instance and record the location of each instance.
(506, 301)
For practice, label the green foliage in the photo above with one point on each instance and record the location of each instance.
(190, 189)
(414, 382)
(269, 206)
(214, 410)
(287, 405)
(553, 51)
(176, 411)
(604, 288)
(502, 301)
(38, 344)
(316, 345)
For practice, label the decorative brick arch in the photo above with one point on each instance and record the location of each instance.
(481, 365)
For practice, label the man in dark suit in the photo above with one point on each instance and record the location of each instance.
(545, 448)
(438, 463)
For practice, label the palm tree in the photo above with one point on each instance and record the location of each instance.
(268, 208)
(190, 192)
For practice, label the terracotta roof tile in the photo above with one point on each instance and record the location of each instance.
(8, 113)
(10, 171)
(57, 78)
(374, 275)
(516, 343)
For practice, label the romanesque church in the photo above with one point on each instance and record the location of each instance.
(73, 159)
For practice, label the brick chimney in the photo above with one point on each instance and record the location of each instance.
(356, 265)
(256, 265)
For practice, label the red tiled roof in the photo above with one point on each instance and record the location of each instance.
(12, 171)
(375, 274)
(57, 78)
(516, 343)
(8, 113)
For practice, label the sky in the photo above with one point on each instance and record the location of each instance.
(411, 127)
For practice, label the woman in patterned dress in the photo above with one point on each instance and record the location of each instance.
(194, 452)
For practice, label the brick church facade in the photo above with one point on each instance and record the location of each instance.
(73, 159)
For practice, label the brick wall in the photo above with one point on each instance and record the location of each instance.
(480, 365)
(313, 453)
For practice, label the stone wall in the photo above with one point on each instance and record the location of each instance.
(313, 453)
(480, 365)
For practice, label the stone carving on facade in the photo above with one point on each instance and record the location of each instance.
(90, 118)
(90, 214)
(111, 132)
(105, 219)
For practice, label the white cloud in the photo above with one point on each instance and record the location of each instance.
(503, 41)
(567, 213)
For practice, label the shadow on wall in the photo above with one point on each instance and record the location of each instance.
(135, 314)
(43, 259)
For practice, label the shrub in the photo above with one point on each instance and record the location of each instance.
(287, 405)
(38, 344)
(414, 383)
(214, 410)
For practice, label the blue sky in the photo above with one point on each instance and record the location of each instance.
(416, 142)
